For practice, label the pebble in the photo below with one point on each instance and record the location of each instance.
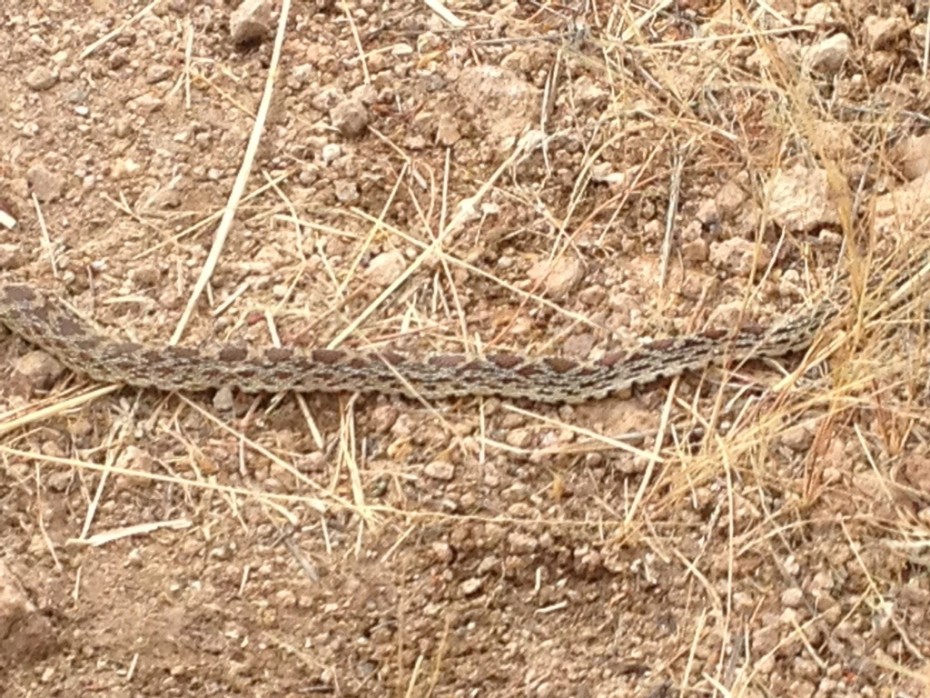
(472, 586)
(522, 543)
(385, 268)
(346, 191)
(447, 131)
(882, 32)
(695, 250)
(440, 470)
(730, 199)
(330, 152)
(40, 79)
(792, 598)
(739, 255)
(823, 13)
(250, 22)
(914, 155)
(558, 277)
(46, 185)
(223, 399)
(827, 56)
(157, 73)
(145, 104)
(37, 371)
(798, 438)
(11, 256)
(350, 117)
(799, 199)
(443, 552)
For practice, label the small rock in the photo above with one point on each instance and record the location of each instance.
(223, 400)
(579, 345)
(501, 103)
(440, 470)
(46, 185)
(27, 634)
(792, 598)
(827, 56)
(799, 199)
(903, 208)
(739, 256)
(823, 14)
(882, 32)
(11, 256)
(125, 168)
(382, 418)
(385, 268)
(58, 481)
(472, 586)
(695, 250)
(145, 104)
(558, 276)
(330, 152)
(350, 117)
(521, 543)
(36, 371)
(443, 552)
(346, 191)
(447, 131)
(708, 212)
(156, 73)
(914, 155)
(588, 93)
(122, 127)
(798, 438)
(118, 58)
(250, 22)
(40, 79)
(730, 199)
(160, 199)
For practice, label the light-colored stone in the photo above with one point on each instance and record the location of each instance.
(914, 155)
(472, 586)
(558, 277)
(739, 256)
(799, 199)
(695, 250)
(440, 470)
(40, 79)
(882, 32)
(346, 191)
(45, 184)
(250, 22)
(827, 56)
(504, 105)
(385, 268)
(36, 371)
(350, 117)
(905, 208)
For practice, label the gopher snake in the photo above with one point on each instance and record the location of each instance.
(51, 324)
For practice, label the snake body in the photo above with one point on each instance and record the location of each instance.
(54, 326)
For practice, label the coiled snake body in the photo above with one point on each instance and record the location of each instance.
(51, 324)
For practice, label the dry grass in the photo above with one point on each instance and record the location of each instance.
(675, 113)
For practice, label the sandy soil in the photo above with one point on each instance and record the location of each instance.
(540, 177)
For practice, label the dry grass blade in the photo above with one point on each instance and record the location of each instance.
(242, 177)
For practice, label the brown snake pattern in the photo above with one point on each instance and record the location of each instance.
(49, 323)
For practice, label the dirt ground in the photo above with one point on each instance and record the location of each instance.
(549, 178)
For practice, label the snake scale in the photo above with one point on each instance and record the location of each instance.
(51, 324)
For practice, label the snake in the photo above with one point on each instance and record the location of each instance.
(47, 321)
